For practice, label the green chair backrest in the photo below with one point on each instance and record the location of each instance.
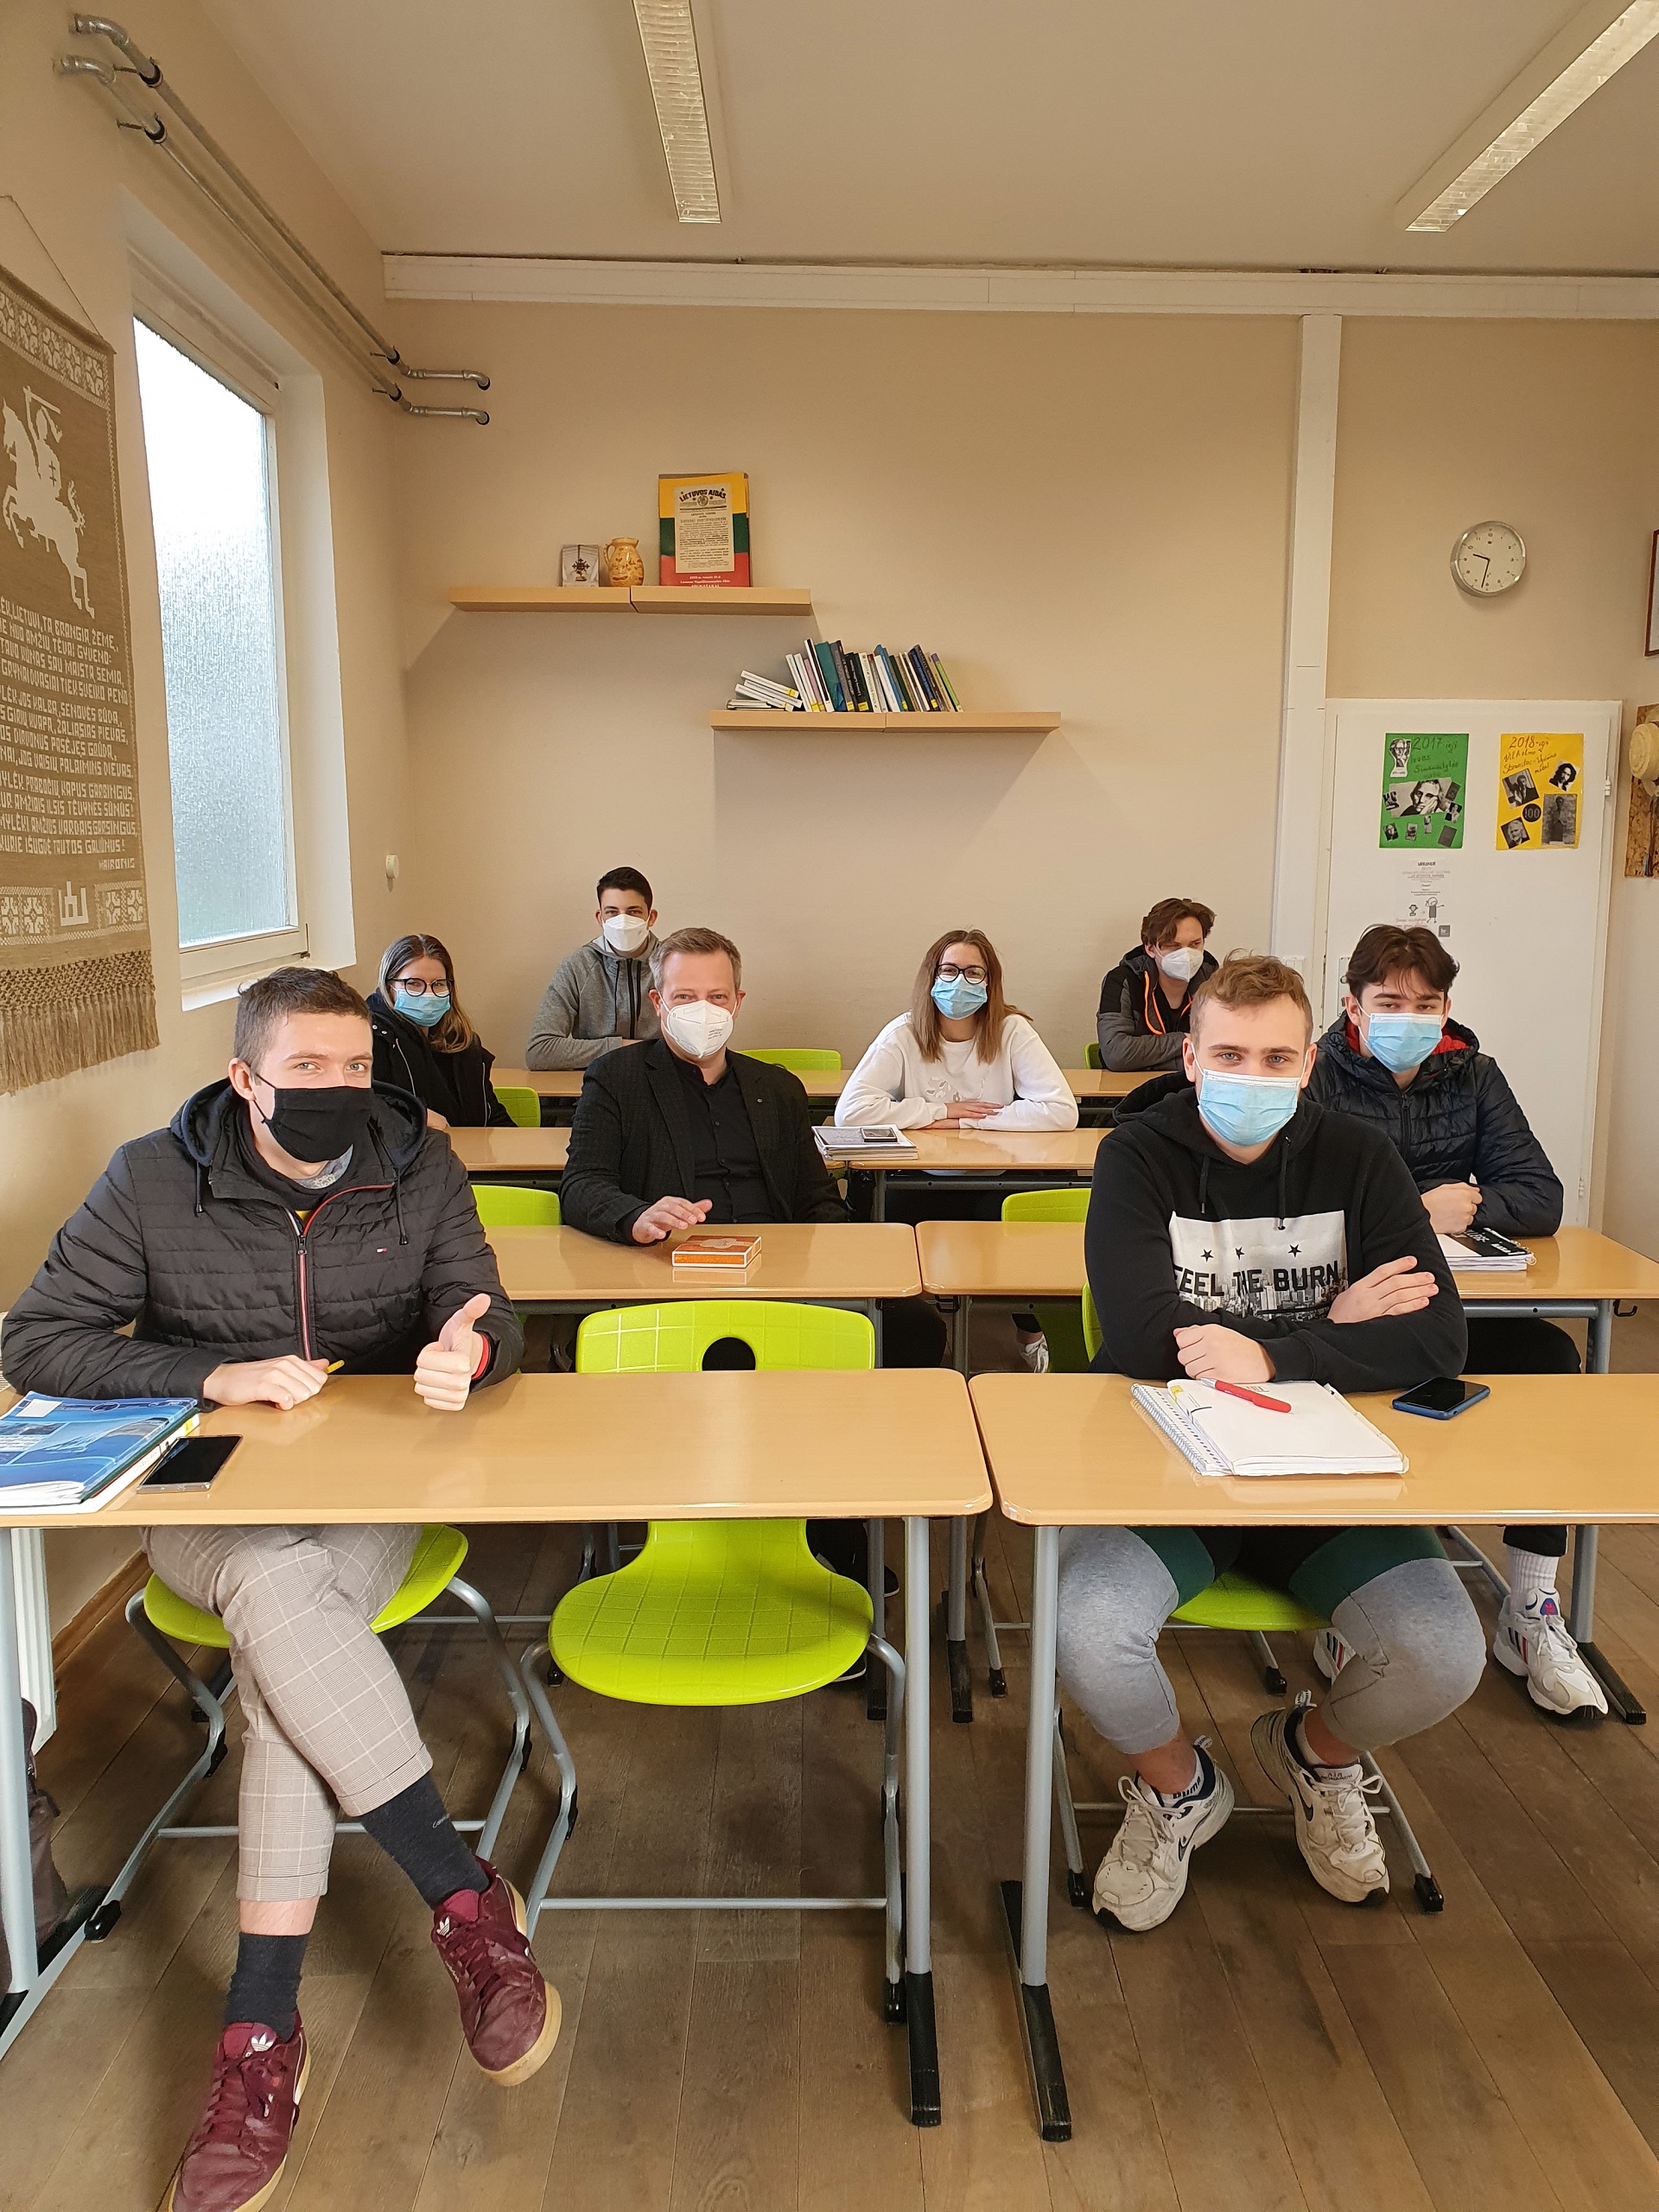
(1091, 1336)
(1045, 1206)
(802, 1059)
(524, 1105)
(673, 1339)
(1091, 1056)
(510, 1205)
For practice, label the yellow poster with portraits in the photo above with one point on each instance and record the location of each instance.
(1538, 779)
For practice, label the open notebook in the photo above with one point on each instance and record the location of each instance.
(1322, 1435)
(1483, 1252)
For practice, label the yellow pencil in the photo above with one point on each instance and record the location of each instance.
(334, 1366)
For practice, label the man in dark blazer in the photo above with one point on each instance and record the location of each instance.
(680, 1131)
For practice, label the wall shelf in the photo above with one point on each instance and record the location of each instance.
(1016, 721)
(642, 599)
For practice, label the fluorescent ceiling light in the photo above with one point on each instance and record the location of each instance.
(669, 39)
(1593, 46)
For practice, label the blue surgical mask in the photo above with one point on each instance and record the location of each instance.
(426, 1011)
(959, 997)
(1245, 1109)
(1402, 1041)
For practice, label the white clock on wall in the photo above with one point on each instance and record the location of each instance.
(1489, 558)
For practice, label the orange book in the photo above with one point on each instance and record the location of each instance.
(724, 1252)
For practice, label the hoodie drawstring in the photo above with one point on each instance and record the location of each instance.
(1283, 1162)
(1204, 1189)
(198, 1204)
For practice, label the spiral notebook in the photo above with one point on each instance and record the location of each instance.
(1321, 1435)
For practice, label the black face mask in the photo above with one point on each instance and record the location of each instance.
(319, 1124)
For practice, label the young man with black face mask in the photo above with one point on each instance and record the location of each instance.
(292, 1217)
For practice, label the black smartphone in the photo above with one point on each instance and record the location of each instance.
(1443, 1398)
(192, 1463)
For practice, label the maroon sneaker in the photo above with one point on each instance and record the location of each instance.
(509, 2013)
(235, 2157)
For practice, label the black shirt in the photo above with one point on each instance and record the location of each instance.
(726, 1160)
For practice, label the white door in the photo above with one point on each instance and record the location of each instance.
(1528, 926)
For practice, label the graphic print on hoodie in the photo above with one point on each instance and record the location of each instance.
(1292, 1269)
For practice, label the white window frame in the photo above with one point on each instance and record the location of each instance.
(217, 968)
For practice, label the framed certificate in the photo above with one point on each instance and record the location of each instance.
(703, 530)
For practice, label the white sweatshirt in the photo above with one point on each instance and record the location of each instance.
(893, 1084)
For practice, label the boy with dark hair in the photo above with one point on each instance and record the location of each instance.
(1395, 1058)
(1147, 1000)
(599, 997)
(1238, 1233)
(290, 1219)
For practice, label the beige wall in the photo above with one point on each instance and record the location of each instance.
(1551, 427)
(1075, 512)
(74, 178)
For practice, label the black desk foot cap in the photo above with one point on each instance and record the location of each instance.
(1620, 1696)
(1042, 2040)
(925, 2110)
(962, 1682)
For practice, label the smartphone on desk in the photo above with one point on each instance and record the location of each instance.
(1444, 1398)
(191, 1465)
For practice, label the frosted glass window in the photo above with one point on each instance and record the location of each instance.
(210, 501)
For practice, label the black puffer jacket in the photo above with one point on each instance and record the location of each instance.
(1457, 1118)
(455, 1084)
(179, 1238)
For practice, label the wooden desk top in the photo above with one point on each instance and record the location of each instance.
(817, 1082)
(1074, 1450)
(528, 1151)
(998, 1152)
(591, 1447)
(1038, 1259)
(804, 1260)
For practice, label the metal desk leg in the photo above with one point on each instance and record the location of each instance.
(879, 1197)
(1026, 1901)
(16, 1876)
(959, 1334)
(924, 2105)
(876, 1678)
(955, 1624)
(1621, 1698)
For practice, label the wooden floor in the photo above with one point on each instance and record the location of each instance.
(1266, 2050)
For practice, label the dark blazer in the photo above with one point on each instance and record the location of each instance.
(631, 1142)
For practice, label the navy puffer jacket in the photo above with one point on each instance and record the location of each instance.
(1457, 1118)
(179, 1238)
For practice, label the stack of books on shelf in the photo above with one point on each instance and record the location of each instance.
(830, 678)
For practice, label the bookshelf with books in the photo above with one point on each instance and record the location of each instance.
(882, 688)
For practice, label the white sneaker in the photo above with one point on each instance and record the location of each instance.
(1532, 1639)
(1335, 1831)
(1143, 1877)
(1035, 1354)
(1330, 1654)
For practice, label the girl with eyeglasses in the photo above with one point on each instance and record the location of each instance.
(424, 1043)
(961, 1057)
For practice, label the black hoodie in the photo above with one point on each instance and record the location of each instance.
(1179, 1235)
(1136, 1027)
(178, 1237)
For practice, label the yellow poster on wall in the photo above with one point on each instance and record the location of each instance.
(1538, 779)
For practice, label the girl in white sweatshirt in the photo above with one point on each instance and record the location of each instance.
(961, 1057)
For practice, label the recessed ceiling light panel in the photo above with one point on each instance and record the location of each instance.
(669, 39)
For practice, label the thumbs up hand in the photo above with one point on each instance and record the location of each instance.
(444, 1371)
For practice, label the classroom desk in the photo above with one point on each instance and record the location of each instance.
(999, 1160)
(511, 1152)
(1068, 1451)
(817, 1082)
(576, 1448)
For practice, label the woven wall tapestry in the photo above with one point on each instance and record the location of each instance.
(76, 985)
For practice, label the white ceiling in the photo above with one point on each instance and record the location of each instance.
(1206, 133)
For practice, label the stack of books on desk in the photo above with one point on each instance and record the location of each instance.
(836, 679)
(721, 1253)
(1483, 1252)
(839, 1143)
(61, 1455)
(1315, 1431)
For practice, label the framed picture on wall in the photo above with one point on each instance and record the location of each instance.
(1653, 595)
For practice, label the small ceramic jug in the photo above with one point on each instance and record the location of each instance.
(622, 562)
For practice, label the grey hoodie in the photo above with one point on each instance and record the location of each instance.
(577, 1019)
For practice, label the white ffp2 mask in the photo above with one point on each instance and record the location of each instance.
(697, 1028)
(625, 932)
(1183, 964)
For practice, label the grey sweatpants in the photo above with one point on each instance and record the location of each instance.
(1416, 1648)
(328, 1720)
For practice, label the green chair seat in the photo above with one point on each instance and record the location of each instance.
(713, 1612)
(512, 1206)
(804, 1059)
(1091, 1056)
(438, 1556)
(524, 1105)
(1238, 1601)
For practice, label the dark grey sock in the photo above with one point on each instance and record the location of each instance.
(415, 1830)
(265, 1987)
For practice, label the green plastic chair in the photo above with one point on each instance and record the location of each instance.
(513, 1206)
(717, 1613)
(524, 1105)
(804, 1059)
(1091, 1054)
(163, 1620)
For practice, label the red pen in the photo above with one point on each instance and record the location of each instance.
(1255, 1398)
